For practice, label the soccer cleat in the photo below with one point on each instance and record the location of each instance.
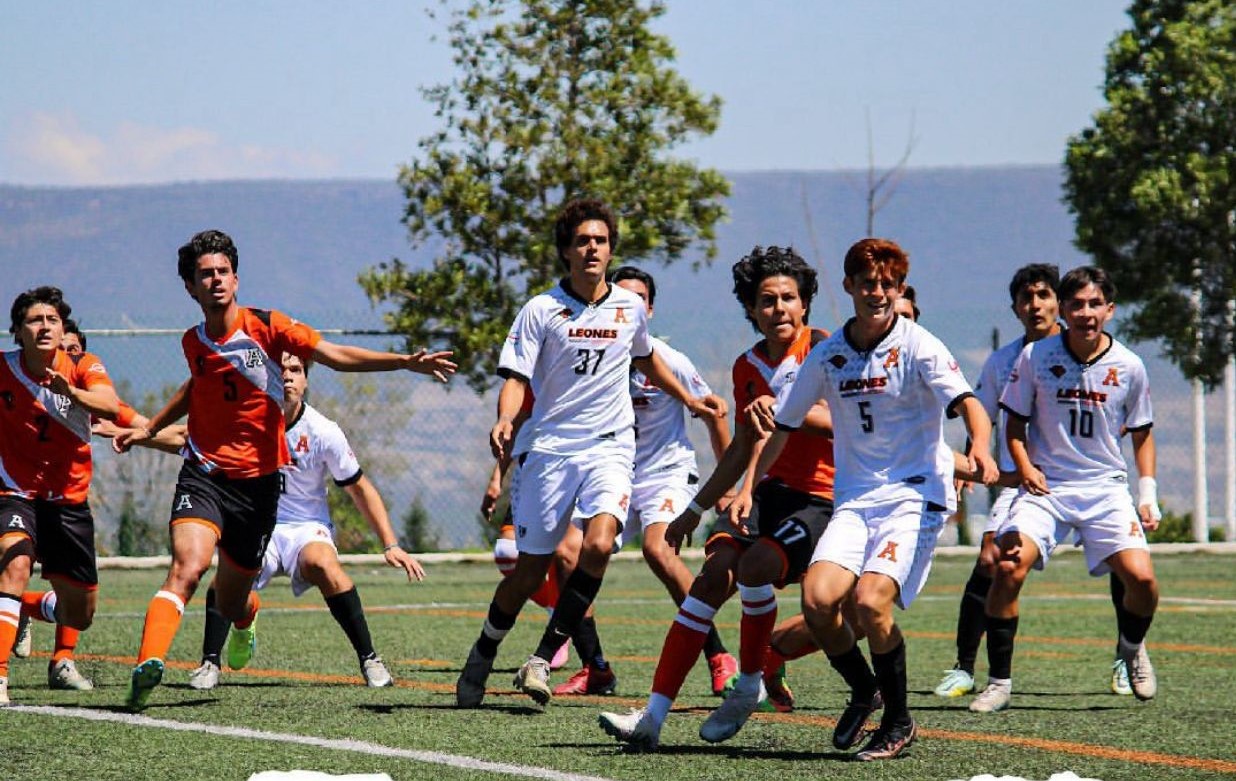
(636, 729)
(561, 656)
(852, 723)
(993, 699)
(721, 668)
(1120, 678)
(533, 680)
(4, 692)
(146, 676)
(23, 645)
(588, 680)
(241, 646)
(730, 716)
(64, 675)
(780, 695)
(1142, 679)
(375, 673)
(470, 688)
(889, 742)
(956, 683)
(205, 677)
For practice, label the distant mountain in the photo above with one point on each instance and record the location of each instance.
(302, 245)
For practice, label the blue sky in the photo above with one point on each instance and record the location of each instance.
(130, 92)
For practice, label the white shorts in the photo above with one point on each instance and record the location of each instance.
(999, 510)
(659, 498)
(896, 539)
(1099, 512)
(551, 489)
(283, 552)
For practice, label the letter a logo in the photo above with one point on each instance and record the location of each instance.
(620, 315)
(302, 444)
(1135, 529)
(183, 503)
(889, 552)
(893, 359)
(667, 506)
(1112, 378)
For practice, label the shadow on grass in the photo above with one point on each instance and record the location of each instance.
(715, 752)
(512, 710)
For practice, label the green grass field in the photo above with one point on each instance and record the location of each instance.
(304, 682)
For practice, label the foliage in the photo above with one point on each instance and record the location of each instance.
(1153, 181)
(352, 532)
(418, 534)
(554, 99)
(135, 535)
(1179, 528)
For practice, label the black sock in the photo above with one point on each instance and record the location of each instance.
(573, 603)
(347, 610)
(852, 666)
(499, 624)
(890, 672)
(588, 644)
(713, 644)
(1117, 589)
(1001, 632)
(216, 631)
(972, 619)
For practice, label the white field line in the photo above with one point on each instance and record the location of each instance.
(355, 746)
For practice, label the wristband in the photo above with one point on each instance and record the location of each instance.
(389, 547)
(1147, 491)
(694, 507)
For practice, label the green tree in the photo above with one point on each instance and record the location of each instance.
(1153, 181)
(554, 99)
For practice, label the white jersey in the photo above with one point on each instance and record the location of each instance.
(661, 442)
(318, 448)
(991, 383)
(1077, 410)
(577, 359)
(887, 406)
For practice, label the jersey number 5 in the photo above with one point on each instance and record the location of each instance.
(864, 413)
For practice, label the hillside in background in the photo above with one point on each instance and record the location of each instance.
(302, 245)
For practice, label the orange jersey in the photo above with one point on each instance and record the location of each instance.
(236, 392)
(806, 463)
(45, 437)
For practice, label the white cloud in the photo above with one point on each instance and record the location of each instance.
(47, 148)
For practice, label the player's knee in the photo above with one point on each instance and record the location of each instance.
(763, 564)
(1010, 573)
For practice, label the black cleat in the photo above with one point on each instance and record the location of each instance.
(889, 742)
(851, 725)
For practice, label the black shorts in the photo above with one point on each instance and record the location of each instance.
(242, 510)
(789, 518)
(63, 536)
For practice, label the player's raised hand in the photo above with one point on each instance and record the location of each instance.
(761, 414)
(436, 363)
(129, 437)
(399, 558)
(59, 383)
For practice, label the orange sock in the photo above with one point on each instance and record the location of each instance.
(252, 606)
(162, 620)
(66, 642)
(39, 605)
(759, 618)
(683, 645)
(547, 595)
(10, 613)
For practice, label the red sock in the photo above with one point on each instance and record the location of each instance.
(683, 645)
(759, 618)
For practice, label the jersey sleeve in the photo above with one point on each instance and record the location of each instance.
(339, 458)
(794, 404)
(686, 372)
(641, 342)
(1138, 413)
(1018, 396)
(89, 372)
(987, 389)
(293, 336)
(523, 343)
(939, 369)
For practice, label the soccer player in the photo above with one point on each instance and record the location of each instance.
(46, 400)
(572, 347)
(665, 471)
(888, 383)
(774, 524)
(1075, 393)
(302, 546)
(907, 304)
(227, 492)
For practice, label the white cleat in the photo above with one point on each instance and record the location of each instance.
(993, 699)
(375, 673)
(4, 692)
(533, 680)
(1120, 678)
(23, 645)
(1142, 679)
(205, 677)
(64, 675)
(730, 716)
(636, 729)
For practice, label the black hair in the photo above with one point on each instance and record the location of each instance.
(207, 242)
(760, 264)
(71, 327)
(577, 212)
(911, 295)
(1081, 276)
(1047, 273)
(631, 272)
(39, 295)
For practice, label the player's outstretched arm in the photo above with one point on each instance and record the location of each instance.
(175, 409)
(1147, 488)
(351, 358)
(100, 400)
(663, 377)
(978, 426)
(731, 466)
(1030, 477)
(369, 502)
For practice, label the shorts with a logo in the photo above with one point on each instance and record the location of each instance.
(1100, 512)
(283, 553)
(896, 538)
(549, 489)
(999, 511)
(789, 518)
(242, 511)
(63, 536)
(659, 498)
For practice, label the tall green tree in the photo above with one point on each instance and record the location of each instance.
(1153, 181)
(554, 99)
